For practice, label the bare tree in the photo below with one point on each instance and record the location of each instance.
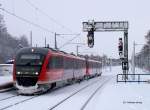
(8, 43)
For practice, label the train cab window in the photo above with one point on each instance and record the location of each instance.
(30, 56)
(30, 59)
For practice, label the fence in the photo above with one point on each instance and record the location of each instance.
(134, 78)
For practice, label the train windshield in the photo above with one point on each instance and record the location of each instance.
(30, 59)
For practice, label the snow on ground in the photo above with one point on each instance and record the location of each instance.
(122, 96)
(46, 101)
(113, 96)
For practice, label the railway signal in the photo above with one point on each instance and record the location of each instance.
(120, 48)
(90, 37)
(105, 26)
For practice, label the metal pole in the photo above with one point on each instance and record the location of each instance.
(125, 61)
(110, 61)
(134, 59)
(77, 50)
(45, 41)
(55, 41)
(31, 38)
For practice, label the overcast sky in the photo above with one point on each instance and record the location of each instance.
(71, 13)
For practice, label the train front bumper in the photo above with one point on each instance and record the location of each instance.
(28, 90)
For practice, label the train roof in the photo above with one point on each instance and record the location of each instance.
(94, 61)
(45, 50)
(33, 49)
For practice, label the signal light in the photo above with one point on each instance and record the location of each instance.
(90, 37)
(90, 41)
(120, 47)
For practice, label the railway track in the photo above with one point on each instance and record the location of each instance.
(8, 97)
(93, 94)
(7, 94)
(14, 100)
(77, 92)
(23, 99)
(17, 99)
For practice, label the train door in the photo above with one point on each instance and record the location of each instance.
(87, 67)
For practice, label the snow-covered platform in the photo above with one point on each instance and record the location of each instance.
(5, 79)
(6, 82)
(6, 73)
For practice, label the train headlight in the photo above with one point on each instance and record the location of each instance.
(36, 73)
(18, 72)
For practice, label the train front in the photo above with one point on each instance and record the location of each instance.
(27, 68)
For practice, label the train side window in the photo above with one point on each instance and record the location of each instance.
(65, 65)
(75, 64)
(72, 63)
(51, 62)
(56, 62)
(68, 63)
(59, 62)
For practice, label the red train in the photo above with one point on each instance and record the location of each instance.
(40, 69)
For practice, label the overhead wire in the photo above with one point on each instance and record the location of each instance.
(53, 20)
(39, 26)
(27, 21)
(69, 41)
